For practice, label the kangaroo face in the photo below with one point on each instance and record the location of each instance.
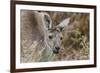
(55, 39)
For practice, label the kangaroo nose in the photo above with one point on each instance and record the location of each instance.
(57, 48)
(55, 51)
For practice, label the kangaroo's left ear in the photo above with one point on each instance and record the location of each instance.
(64, 23)
(47, 20)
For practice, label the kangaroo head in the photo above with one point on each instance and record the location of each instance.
(53, 34)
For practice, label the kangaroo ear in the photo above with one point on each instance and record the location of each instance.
(47, 21)
(64, 23)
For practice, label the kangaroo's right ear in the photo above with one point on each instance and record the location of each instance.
(64, 23)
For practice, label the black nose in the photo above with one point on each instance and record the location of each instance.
(57, 48)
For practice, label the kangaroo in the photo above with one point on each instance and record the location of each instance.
(40, 40)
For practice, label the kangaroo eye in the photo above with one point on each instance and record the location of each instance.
(61, 28)
(61, 38)
(50, 36)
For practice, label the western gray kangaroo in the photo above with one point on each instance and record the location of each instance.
(40, 40)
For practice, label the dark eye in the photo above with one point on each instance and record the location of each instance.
(61, 38)
(61, 28)
(50, 37)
